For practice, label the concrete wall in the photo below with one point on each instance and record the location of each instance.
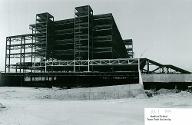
(107, 92)
(167, 78)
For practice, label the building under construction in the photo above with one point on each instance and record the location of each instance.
(83, 51)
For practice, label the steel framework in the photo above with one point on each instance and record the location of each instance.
(19, 50)
(86, 42)
(83, 51)
(79, 40)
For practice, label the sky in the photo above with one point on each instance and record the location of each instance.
(161, 29)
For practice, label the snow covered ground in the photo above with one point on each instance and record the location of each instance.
(43, 106)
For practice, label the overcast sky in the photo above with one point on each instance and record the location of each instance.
(161, 29)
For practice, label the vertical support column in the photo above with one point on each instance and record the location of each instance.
(16, 69)
(138, 64)
(36, 34)
(35, 46)
(6, 57)
(45, 70)
(20, 56)
(24, 55)
(74, 43)
(147, 66)
(32, 51)
(9, 63)
(88, 39)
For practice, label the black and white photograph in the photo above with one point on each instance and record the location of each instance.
(95, 62)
